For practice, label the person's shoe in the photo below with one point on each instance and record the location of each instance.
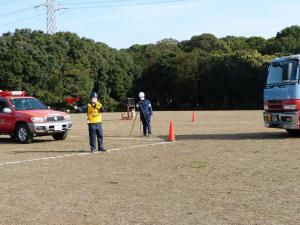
(93, 151)
(102, 150)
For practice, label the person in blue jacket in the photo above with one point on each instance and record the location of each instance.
(145, 109)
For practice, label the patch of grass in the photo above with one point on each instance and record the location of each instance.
(197, 164)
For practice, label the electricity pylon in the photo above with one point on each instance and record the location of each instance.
(52, 23)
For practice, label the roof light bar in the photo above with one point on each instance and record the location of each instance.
(12, 93)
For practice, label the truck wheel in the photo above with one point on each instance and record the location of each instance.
(293, 132)
(23, 134)
(60, 136)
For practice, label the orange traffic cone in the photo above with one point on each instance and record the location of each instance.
(171, 132)
(194, 117)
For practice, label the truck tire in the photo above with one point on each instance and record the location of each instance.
(23, 134)
(60, 136)
(294, 133)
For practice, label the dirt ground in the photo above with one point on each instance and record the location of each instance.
(226, 169)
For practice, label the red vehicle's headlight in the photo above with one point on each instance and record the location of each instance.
(266, 107)
(67, 117)
(290, 107)
(38, 119)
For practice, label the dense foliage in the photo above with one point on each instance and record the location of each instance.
(204, 72)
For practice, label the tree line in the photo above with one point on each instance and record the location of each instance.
(204, 72)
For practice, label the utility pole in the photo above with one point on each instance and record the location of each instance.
(52, 23)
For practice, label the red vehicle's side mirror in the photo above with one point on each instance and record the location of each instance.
(7, 110)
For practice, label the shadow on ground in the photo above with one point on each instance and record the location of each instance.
(233, 137)
(14, 141)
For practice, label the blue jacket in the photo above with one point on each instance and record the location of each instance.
(145, 107)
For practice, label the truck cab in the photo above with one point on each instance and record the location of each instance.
(282, 95)
(24, 117)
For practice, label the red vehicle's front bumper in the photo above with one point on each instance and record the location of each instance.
(284, 120)
(49, 128)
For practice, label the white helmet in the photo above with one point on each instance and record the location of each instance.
(142, 95)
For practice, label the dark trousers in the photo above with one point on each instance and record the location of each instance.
(146, 121)
(96, 132)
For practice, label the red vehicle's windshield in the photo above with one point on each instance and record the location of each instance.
(27, 104)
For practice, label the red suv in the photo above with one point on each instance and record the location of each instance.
(24, 117)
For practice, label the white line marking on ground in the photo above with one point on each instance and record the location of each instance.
(82, 154)
(128, 138)
(136, 139)
(139, 146)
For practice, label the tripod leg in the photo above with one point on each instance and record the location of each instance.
(133, 125)
(140, 126)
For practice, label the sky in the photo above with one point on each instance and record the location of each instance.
(122, 23)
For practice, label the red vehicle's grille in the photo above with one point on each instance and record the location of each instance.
(275, 105)
(55, 118)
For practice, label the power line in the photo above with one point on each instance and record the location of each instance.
(60, 1)
(16, 12)
(21, 20)
(52, 9)
(96, 2)
(124, 5)
(4, 3)
(10, 2)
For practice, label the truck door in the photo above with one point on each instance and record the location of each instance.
(6, 119)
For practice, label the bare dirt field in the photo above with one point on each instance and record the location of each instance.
(226, 169)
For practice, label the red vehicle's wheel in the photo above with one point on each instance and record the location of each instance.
(23, 134)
